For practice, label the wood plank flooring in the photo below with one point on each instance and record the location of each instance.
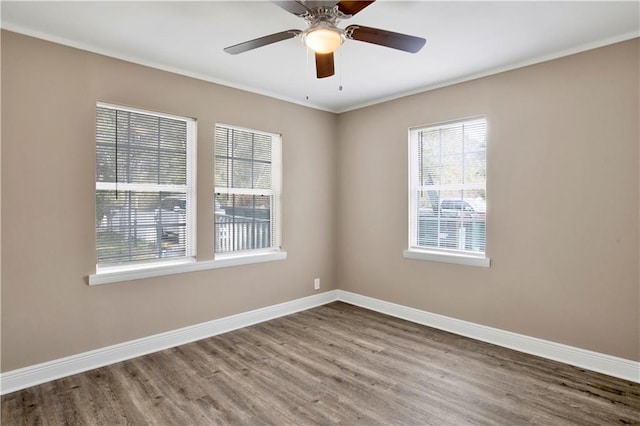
(336, 364)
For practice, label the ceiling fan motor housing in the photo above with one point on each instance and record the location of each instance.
(323, 36)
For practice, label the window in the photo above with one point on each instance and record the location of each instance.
(144, 186)
(448, 204)
(247, 190)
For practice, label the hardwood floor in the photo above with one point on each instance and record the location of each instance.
(336, 364)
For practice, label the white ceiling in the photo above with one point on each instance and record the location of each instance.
(464, 40)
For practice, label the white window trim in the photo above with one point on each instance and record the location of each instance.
(161, 267)
(275, 191)
(115, 274)
(159, 264)
(460, 259)
(422, 253)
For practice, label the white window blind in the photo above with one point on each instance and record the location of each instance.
(144, 186)
(247, 190)
(448, 174)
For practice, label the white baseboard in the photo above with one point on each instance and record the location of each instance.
(40, 373)
(22, 378)
(602, 363)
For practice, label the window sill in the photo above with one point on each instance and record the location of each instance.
(459, 259)
(119, 274)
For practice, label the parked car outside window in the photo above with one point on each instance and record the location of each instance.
(458, 224)
(471, 207)
(171, 219)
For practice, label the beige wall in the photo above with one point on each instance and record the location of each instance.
(562, 191)
(48, 236)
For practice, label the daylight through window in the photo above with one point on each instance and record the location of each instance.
(144, 186)
(247, 190)
(448, 203)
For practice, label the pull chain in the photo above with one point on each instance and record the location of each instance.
(116, 155)
(340, 72)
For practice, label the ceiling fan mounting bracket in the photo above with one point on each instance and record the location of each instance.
(330, 15)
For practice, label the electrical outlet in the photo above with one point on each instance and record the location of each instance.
(316, 284)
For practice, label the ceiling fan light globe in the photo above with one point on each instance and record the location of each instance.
(323, 40)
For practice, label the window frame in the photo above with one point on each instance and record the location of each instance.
(275, 194)
(179, 265)
(189, 189)
(434, 253)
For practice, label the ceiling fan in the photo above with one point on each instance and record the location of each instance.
(323, 35)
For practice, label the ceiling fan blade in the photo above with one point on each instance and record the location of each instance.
(261, 41)
(294, 7)
(324, 65)
(390, 39)
(352, 7)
